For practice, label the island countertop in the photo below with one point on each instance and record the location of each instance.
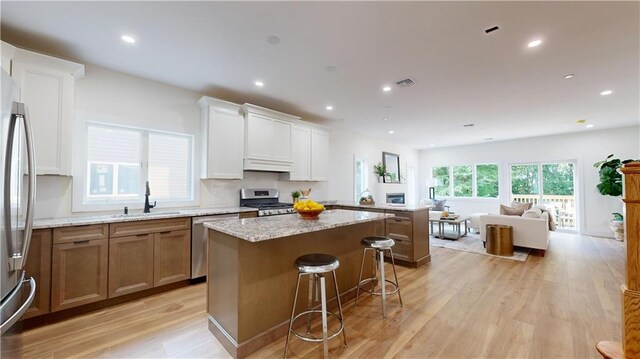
(384, 206)
(272, 227)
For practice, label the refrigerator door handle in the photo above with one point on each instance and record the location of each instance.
(11, 134)
(23, 308)
(19, 259)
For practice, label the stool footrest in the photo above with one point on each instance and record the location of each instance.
(370, 291)
(312, 338)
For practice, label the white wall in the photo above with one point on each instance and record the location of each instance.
(345, 145)
(585, 148)
(113, 97)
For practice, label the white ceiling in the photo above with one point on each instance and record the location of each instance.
(463, 75)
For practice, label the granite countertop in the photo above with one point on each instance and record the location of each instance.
(138, 216)
(385, 206)
(272, 227)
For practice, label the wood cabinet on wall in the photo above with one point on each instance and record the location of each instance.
(38, 266)
(79, 266)
(222, 130)
(148, 254)
(47, 87)
(268, 136)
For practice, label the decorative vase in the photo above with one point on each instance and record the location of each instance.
(380, 179)
(618, 229)
(296, 199)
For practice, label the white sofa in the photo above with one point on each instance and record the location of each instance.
(527, 232)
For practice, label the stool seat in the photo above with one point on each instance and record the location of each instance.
(316, 263)
(378, 242)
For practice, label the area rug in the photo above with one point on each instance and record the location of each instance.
(472, 243)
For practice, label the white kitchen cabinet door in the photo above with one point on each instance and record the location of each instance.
(7, 52)
(319, 155)
(49, 98)
(259, 137)
(301, 148)
(223, 142)
(281, 140)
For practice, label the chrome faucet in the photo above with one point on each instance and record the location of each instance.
(148, 206)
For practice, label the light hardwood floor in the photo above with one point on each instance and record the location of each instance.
(462, 305)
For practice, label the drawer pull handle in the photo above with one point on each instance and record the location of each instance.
(165, 232)
(81, 242)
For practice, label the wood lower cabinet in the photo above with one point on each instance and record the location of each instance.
(79, 273)
(38, 266)
(171, 257)
(130, 264)
(408, 229)
(147, 254)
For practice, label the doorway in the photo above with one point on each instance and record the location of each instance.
(549, 183)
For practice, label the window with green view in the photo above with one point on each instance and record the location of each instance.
(462, 181)
(487, 180)
(441, 177)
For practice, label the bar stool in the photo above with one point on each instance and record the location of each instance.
(378, 245)
(316, 265)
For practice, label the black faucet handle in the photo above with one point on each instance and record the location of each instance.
(154, 205)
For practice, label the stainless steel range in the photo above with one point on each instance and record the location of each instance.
(266, 200)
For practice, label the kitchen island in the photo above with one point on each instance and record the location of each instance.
(251, 278)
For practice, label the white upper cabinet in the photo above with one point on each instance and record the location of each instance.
(222, 139)
(310, 145)
(268, 136)
(319, 154)
(8, 52)
(47, 88)
(301, 145)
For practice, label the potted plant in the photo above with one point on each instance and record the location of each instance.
(380, 170)
(617, 226)
(296, 196)
(611, 185)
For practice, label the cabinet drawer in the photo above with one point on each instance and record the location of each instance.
(80, 233)
(152, 226)
(404, 214)
(403, 250)
(400, 228)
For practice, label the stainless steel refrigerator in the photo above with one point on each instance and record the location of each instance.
(17, 173)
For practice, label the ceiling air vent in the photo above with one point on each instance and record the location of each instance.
(406, 82)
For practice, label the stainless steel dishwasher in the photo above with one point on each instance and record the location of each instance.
(199, 242)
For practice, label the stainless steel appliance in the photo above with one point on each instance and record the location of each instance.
(18, 177)
(199, 243)
(395, 198)
(266, 200)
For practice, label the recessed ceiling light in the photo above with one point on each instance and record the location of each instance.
(569, 76)
(589, 126)
(391, 132)
(432, 145)
(329, 107)
(259, 83)
(606, 93)
(273, 40)
(331, 69)
(385, 119)
(534, 43)
(386, 88)
(128, 39)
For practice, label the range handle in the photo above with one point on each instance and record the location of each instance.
(23, 308)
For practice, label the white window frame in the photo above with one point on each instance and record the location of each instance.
(474, 179)
(365, 176)
(80, 200)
